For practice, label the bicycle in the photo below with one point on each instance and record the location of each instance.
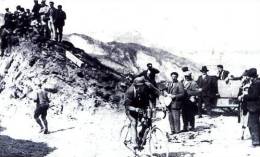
(158, 142)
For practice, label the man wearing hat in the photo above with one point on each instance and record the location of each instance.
(175, 90)
(222, 74)
(209, 90)
(189, 107)
(137, 98)
(251, 98)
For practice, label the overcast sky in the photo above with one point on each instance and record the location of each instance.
(183, 25)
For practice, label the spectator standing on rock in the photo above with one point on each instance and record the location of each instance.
(251, 97)
(8, 18)
(175, 90)
(45, 32)
(42, 106)
(6, 34)
(43, 12)
(189, 107)
(52, 16)
(35, 10)
(59, 23)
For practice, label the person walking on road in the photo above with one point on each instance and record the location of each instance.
(42, 106)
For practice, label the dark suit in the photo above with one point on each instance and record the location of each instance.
(252, 101)
(208, 94)
(189, 108)
(177, 89)
(150, 76)
(223, 75)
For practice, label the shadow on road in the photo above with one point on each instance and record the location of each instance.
(51, 132)
(176, 154)
(181, 154)
(10, 147)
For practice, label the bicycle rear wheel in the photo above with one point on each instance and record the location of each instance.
(158, 143)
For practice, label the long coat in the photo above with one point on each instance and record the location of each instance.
(209, 86)
(253, 98)
(191, 90)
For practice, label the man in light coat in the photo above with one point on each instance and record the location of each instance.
(176, 91)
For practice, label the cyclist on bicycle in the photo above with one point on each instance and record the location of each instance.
(137, 100)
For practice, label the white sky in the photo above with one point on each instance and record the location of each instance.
(182, 25)
(175, 25)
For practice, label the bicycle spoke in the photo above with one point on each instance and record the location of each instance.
(158, 144)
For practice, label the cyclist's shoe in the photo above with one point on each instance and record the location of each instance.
(138, 147)
(46, 132)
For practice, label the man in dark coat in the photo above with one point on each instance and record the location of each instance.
(189, 107)
(209, 91)
(59, 23)
(35, 10)
(149, 75)
(8, 18)
(175, 90)
(222, 74)
(251, 97)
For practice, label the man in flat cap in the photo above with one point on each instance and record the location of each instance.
(137, 101)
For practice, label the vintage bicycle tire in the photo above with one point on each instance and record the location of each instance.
(163, 143)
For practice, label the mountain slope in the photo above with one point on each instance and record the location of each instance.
(131, 57)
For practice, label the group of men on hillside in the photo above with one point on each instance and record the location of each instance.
(187, 97)
(43, 23)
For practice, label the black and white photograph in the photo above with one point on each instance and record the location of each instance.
(129, 78)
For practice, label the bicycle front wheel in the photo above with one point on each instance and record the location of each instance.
(125, 136)
(158, 143)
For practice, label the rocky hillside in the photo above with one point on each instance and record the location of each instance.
(131, 57)
(74, 87)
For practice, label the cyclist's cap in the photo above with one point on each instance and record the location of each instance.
(139, 81)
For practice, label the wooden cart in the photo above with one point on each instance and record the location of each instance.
(228, 101)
